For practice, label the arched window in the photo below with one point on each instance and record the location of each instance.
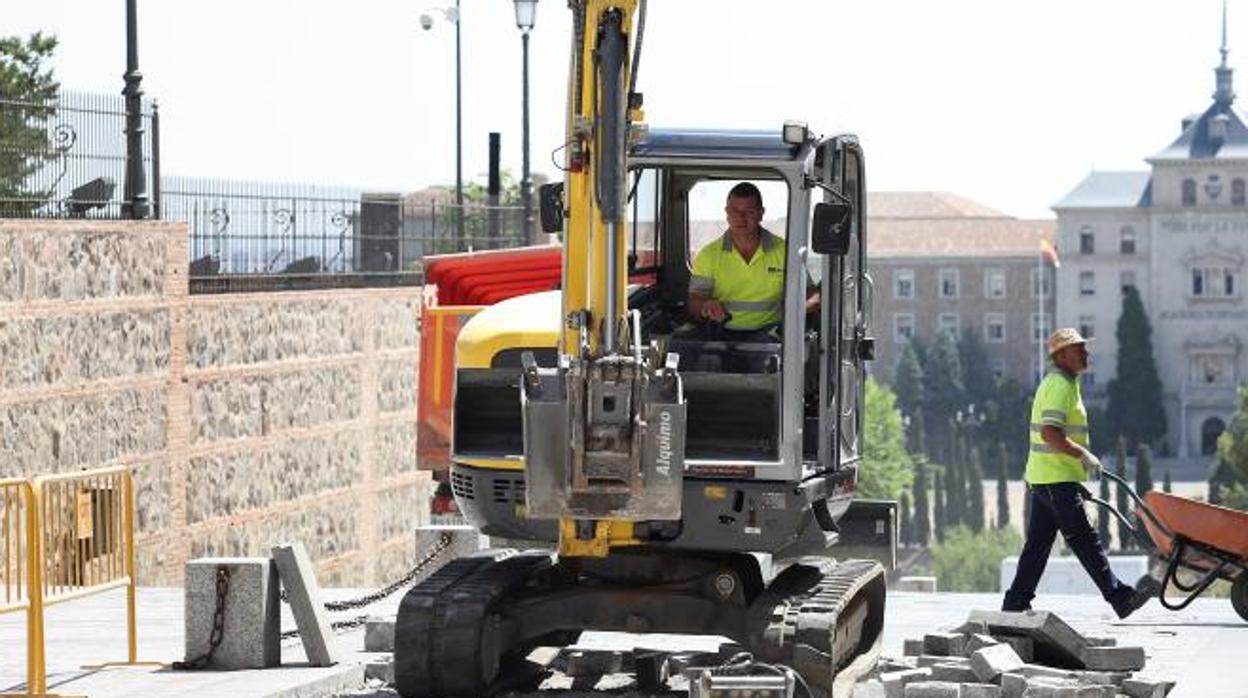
(1237, 192)
(1210, 430)
(1189, 192)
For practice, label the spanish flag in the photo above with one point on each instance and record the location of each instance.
(1049, 252)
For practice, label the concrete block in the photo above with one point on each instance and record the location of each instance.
(1013, 685)
(868, 689)
(912, 648)
(921, 584)
(980, 690)
(995, 660)
(1056, 643)
(294, 568)
(886, 664)
(946, 644)
(1114, 658)
(978, 641)
(592, 663)
(381, 670)
(956, 673)
(1140, 687)
(930, 660)
(379, 635)
(971, 627)
(251, 637)
(933, 689)
(1101, 641)
(895, 681)
(1024, 646)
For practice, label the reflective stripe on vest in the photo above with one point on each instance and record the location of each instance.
(751, 290)
(1058, 403)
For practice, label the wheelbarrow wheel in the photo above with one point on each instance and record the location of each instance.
(1239, 595)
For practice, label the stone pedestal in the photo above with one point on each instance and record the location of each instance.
(252, 628)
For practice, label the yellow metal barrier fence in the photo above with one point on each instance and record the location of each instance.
(19, 572)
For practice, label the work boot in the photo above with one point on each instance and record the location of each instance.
(1131, 602)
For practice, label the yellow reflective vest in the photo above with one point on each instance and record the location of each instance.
(1058, 403)
(752, 291)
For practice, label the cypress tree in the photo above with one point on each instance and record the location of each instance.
(954, 491)
(922, 525)
(975, 491)
(906, 532)
(1124, 536)
(1144, 470)
(1003, 490)
(938, 491)
(944, 393)
(1166, 485)
(980, 383)
(1102, 516)
(1135, 409)
(908, 380)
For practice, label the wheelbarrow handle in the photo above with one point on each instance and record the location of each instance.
(1148, 511)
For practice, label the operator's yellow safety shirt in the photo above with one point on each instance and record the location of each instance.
(1058, 403)
(752, 291)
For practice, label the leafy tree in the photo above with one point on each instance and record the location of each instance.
(1135, 409)
(886, 465)
(938, 491)
(25, 77)
(1007, 416)
(1236, 497)
(1144, 470)
(945, 393)
(1120, 469)
(1233, 443)
(975, 491)
(908, 379)
(1003, 490)
(969, 561)
(1102, 516)
(906, 525)
(980, 383)
(922, 510)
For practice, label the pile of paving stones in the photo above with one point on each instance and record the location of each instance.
(1012, 655)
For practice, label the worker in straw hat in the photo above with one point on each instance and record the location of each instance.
(1057, 464)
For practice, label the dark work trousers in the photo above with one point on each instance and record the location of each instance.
(1059, 507)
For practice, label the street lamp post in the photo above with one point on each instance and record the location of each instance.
(451, 14)
(136, 203)
(526, 17)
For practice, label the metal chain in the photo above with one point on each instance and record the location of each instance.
(218, 624)
(444, 542)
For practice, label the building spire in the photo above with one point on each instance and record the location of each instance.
(1224, 94)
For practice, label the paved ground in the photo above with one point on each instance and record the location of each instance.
(1202, 647)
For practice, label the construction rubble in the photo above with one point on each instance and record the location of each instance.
(1012, 655)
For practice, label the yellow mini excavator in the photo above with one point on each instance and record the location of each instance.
(688, 482)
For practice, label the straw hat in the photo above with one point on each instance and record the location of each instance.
(1063, 338)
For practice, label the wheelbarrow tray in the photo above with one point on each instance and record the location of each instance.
(1210, 526)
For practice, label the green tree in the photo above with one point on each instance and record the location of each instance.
(1236, 497)
(969, 561)
(922, 509)
(906, 534)
(908, 379)
(1135, 409)
(1144, 470)
(1003, 489)
(975, 491)
(26, 81)
(944, 394)
(1007, 416)
(1233, 443)
(1120, 501)
(979, 382)
(1102, 516)
(955, 490)
(885, 463)
(1167, 485)
(938, 518)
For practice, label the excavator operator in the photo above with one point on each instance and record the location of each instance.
(738, 279)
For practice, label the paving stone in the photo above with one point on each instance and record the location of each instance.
(303, 593)
(1086, 678)
(956, 673)
(995, 660)
(971, 627)
(379, 635)
(381, 670)
(1102, 641)
(1013, 685)
(1140, 687)
(252, 631)
(978, 641)
(592, 663)
(895, 681)
(1024, 646)
(946, 644)
(1114, 658)
(930, 660)
(869, 689)
(980, 690)
(933, 689)
(912, 648)
(887, 664)
(1057, 643)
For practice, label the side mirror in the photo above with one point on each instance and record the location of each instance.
(550, 197)
(830, 233)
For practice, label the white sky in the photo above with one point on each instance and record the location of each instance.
(1009, 103)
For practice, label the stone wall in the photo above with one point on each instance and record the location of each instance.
(249, 419)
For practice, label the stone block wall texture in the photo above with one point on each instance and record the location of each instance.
(248, 419)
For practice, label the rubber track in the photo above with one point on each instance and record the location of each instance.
(807, 628)
(441, 649)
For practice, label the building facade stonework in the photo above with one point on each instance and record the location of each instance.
(1178, 232)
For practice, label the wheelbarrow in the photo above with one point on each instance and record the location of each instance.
(1184, 534)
